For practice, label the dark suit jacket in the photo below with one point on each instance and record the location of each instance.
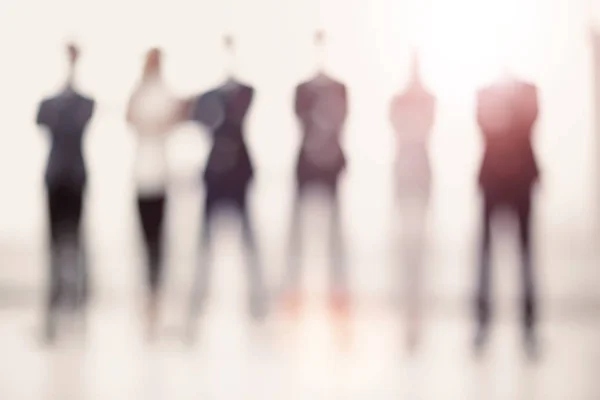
(223, 110)
(321, 108)
(506, 115)
(66, 116)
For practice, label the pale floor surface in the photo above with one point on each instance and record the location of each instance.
(305, 359)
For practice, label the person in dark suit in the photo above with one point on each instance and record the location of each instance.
(412, 114)
(321, 106)
(506, 113)
(66, 117)
(227, 177)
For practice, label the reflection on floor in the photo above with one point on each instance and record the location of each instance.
(307, 357)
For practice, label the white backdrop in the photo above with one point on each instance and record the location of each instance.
(367, 48)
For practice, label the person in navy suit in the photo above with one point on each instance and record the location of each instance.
(227, 177)
(66, 116)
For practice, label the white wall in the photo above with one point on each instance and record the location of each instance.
(368, 45)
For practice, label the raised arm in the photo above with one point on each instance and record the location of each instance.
(207, 109)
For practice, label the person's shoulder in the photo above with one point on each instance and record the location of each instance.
(47, 101)
(248, 90)
(529, 87)
(88, 100)
(341, 85)
(487, 90)
(301, 86)
(248, 87)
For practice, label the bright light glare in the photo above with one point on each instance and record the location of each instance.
(465, 43)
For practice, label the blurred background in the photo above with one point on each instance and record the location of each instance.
(463, 44)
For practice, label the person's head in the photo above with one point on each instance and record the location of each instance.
(319, 37)
(415, 68)
(72, 53)
(153, 61)
(228, 42)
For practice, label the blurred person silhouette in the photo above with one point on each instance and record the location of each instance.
(321, 108)
(412, 114)
(506, 113)
(66, 116)
(153, 112)
(227, 177)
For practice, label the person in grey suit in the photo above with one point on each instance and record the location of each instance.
(321, 107)
(66, 116)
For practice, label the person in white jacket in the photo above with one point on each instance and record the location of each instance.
(153, 112)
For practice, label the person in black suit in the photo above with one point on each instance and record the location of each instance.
(321, 106)
(227, 178)
(66, 117)
(506, 113)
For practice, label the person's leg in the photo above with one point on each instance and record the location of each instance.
(413, 225)
(338, 272)
(202, 273)
(528, 281)
(292, 275)
(77, 266)
(55, 283)
(151, 211)
(483, 301)
(255, 273)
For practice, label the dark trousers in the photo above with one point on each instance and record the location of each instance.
(338, 273)
(68, 271)
(152, 210)
(235, 196)
(519, 204)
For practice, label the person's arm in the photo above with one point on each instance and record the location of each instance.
(241, 109)
(344, 106)
(186, 108)
(207, 109)
(44, 113)
(129, 117)
(91, 108)
(300, 104)
(430, 115)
